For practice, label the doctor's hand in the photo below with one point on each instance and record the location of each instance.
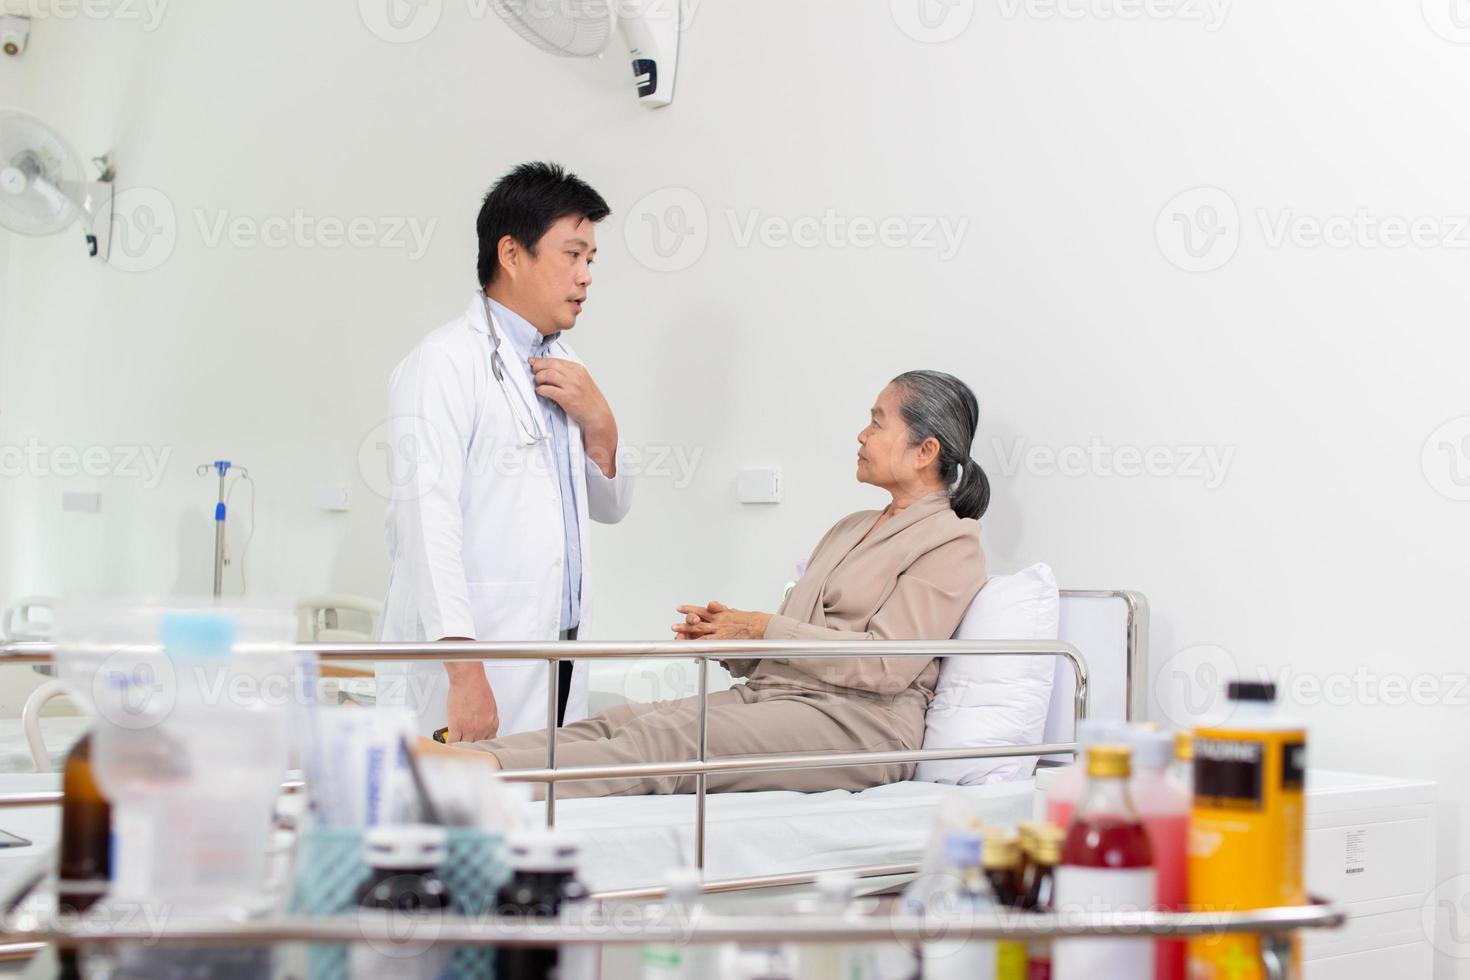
(473, 713)
(718, 621)
(570, 385)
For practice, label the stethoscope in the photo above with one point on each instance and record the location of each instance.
(532, 432)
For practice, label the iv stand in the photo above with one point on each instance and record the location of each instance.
(222, 467)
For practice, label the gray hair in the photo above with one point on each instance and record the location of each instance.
(940, 406)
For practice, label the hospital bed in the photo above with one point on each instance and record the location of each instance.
(766, 839)
(787, 838)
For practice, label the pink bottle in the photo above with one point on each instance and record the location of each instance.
(1164, 807)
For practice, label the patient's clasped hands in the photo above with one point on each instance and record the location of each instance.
(718, 621)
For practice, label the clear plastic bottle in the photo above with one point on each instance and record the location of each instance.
(1164, 808)
(683, 906)
(1107, 866)
(831, 961)
(406, 896)
(962, 894)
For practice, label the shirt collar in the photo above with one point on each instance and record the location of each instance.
(526, 339)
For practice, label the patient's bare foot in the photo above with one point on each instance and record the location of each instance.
(428, 747)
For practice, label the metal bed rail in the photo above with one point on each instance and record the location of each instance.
(24, 930)
(702, 652)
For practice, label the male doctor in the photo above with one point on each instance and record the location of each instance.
(503, 448)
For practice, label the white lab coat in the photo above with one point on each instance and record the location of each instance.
(474, 526)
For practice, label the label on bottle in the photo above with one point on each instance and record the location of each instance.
(1229, 774)
(1089, 891)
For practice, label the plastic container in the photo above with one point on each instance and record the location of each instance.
(962, 894)
(1164, 808)
(192, 709)
(1246, 825)
(1107, 866)
(680, 961)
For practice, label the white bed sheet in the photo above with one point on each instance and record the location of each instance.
(629, 841)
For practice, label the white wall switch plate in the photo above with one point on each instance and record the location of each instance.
(81, 501)
(759, 485)
(334, 497)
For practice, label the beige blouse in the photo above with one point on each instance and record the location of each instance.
(912, 579)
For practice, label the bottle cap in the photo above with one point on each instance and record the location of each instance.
(1152, 750)
(962, 847)
(197, 634)
(1001, 852)
(1047, 848)
(1109, 761)
(1184, 746)
(406, 847)
(542, 849)
(1026, 831)
(1259, 691)
(1091, 731)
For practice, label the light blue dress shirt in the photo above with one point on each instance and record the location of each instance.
(528, 343)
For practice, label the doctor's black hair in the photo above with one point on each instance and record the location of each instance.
(943, 407)
(526, 202)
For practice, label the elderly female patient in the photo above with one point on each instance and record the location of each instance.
(906, 572)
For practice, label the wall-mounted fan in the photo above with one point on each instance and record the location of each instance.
(583, 28)
(43, 187)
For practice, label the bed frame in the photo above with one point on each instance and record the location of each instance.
(1120, 693)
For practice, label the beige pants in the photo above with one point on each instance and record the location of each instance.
(741, 721)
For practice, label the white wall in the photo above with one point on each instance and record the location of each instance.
(1322, 370)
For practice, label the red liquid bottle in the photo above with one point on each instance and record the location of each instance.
(1107, 866)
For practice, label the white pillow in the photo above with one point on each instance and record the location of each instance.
(990, 700)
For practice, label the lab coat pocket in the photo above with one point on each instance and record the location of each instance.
(505, 611)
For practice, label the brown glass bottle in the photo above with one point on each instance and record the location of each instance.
(85, 861)
(1002, 860)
